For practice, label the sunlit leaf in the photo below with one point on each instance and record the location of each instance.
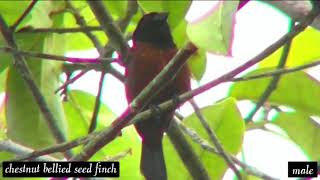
(39, 16)
(302, 130)
(293, 90)
(214, 32)
(117, 9)
(197, 64)
(225, 120)
(12, 10)
(304, 49)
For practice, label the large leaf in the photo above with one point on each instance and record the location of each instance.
(302, 130)
(304, 49)
(79, 110)
(214, 32)
(297, 90)
(225, 120)
(25, 122)
(39, 16)
(176, 9)
(12, 10)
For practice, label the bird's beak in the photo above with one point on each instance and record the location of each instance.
(163, 16)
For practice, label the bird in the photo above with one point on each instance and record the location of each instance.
(153, 47)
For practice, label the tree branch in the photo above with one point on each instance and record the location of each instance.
(56, 57)
(12, 147)
(61, 30)
(277, 72)
(186, 153)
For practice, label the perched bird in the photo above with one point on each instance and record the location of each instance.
(153, 47)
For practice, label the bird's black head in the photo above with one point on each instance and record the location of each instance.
(154, 28)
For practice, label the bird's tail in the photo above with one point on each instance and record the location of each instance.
(152, 161)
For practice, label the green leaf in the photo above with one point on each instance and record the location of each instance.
(214, 32)
(197, 64)
(6, 58)
(80, 41)
(117, 9)
(294, 90)
(225, 120)
(39, 16)
(302, 130)
(179, 34)
(176, 9)
(12, 10)
(79, 110)
(298, 55)
(25, 122)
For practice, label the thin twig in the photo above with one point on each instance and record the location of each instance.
(57, 57)
(61, 30)
(71, 80)
(25, 13)
(214, 139)
(12, 147)
(53, 149)
(119, 156)
(26, 74)
(97, 103)
(207, 147)
(277, 72)
(68, 68)
(273, 83)
(108, 134)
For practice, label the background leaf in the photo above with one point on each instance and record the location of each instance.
(293, 90)
(302, 130)
(304, 49)
(225, 120)
(25, 122)
(10, 11)
(214, 32)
